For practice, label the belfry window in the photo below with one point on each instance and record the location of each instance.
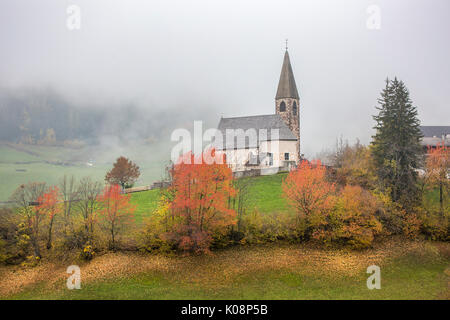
(294, 108)
(282, 106)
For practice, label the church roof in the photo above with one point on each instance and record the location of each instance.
(267, 122)
(287, 87)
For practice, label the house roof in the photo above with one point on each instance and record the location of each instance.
(435, 131)
(259, 124)
(434, 135)
(286, 86)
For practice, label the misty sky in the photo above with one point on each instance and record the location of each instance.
(226, 56)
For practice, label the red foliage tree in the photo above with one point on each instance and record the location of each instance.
(116, 211)
(306, 188)
(48, 206)
(437, 168)
(200, 206)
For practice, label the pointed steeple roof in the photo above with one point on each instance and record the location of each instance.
(287, 87)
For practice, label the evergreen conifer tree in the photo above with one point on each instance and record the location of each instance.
(396, 145)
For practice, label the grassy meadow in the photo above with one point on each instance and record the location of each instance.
(20, 164)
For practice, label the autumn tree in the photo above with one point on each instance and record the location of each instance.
(49, 207)
(353, 165)
(437, 169)
(124, 173)
(87, 204)
(200, 207)
(307, 189)
(240, 201)
(69, 196)
(13, 241)
(116, 211)
(352, 220)
(26, 199)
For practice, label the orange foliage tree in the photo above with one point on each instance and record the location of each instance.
(308, 192)
(437, 168)
(352, 220)
(48, 206)
(347, 217)
(200, 207)
(116, 211)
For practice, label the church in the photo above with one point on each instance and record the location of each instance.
(269, 143)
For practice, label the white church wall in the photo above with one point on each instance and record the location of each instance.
(237, 158)
(278, 149)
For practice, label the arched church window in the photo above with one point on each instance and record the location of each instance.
(282, 106)
(294, 108)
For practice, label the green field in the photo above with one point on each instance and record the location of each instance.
(20, 164)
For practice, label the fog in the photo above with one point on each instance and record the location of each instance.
(179, 61)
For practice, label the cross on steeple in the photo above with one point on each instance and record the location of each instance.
(286, 44)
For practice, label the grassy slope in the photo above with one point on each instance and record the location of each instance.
(408, 271)
(145, 202)
(265, 195)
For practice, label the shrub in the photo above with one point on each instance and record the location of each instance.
(3, 253)
(354, 165)
(15, 238)
(156, 226)
(389, 213)
(435, 226)
(261, 228)
(351, 222)
(411, 225)
(88, 252)
(153, 243)
(31, 261)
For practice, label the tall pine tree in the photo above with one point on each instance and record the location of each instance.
(396, 145)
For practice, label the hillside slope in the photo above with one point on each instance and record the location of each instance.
(409, 270)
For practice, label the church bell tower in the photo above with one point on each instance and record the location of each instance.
(287, 102)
